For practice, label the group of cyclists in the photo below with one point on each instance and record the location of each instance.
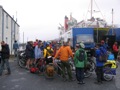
(48, 52)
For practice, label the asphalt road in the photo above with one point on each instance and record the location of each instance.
(21, 79)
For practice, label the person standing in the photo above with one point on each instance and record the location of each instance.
(39, 56)
(80, 60)
(5, 54)
(38, 51)
(99, 64)
(115, 49)
(48, 53)
(15, 48)
(64, 53)
(29, 54)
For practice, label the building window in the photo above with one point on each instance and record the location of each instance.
(6, 21)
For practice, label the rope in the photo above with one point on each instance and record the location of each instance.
(87, 10)
(99, 10)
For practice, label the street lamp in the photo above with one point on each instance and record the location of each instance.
(6, 39)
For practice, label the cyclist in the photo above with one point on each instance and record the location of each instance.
(64, 52)
(99, 64)
(48, 53)
(80, 62)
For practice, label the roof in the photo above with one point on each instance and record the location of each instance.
(9, 15)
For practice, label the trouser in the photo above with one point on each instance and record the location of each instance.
(15, 52)
(3, 62)
(99, 73)
(80, 74)
(40, 65)
(66, 65)
(115, 54)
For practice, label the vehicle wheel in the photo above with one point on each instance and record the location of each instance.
(108, 75)
(21, 63)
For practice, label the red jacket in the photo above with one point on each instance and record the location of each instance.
(115, 48)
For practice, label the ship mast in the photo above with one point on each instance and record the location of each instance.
(91, 7)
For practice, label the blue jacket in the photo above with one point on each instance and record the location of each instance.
(97, 54)
(38, 53)
(15, 46)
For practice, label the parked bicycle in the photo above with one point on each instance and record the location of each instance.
(88, 70)
(21, 58)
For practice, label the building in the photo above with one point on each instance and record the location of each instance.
(9, 29)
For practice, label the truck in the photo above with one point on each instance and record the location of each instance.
(77, 35)
(89, 36)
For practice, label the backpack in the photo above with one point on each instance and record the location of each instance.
(111, 57)
(50, 70)
(34, 69)
(49, 51)
(81, 55)
(103, 55)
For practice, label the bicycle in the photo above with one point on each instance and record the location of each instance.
(87, 72)
(109, 70)
(90, 67)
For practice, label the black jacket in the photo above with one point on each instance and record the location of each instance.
(29, 51)
(5, 51)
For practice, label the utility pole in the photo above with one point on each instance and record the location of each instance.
(23, 42)
(23, 37)
(112, 21)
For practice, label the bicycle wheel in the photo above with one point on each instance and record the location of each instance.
(108, 75)
(87, 74)
(21, 63)
(91, 66)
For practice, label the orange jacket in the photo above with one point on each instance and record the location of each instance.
(64, 53)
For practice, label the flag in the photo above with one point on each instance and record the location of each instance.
(66, 23)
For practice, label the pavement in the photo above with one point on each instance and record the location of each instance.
(22, 79)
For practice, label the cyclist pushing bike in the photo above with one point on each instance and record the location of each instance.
(64, 53)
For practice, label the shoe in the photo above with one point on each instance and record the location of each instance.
(99, 83)
(8, 73)
(71, 80)
(103, 80)
(64, 79)
(81, 82)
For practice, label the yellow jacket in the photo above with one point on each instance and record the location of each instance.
(46, 53)
(64, 53)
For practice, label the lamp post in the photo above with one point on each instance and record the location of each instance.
(97, 30)
(6, 39)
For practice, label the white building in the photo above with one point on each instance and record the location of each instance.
(9, 29)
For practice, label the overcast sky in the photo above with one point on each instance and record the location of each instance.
(40, 18)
